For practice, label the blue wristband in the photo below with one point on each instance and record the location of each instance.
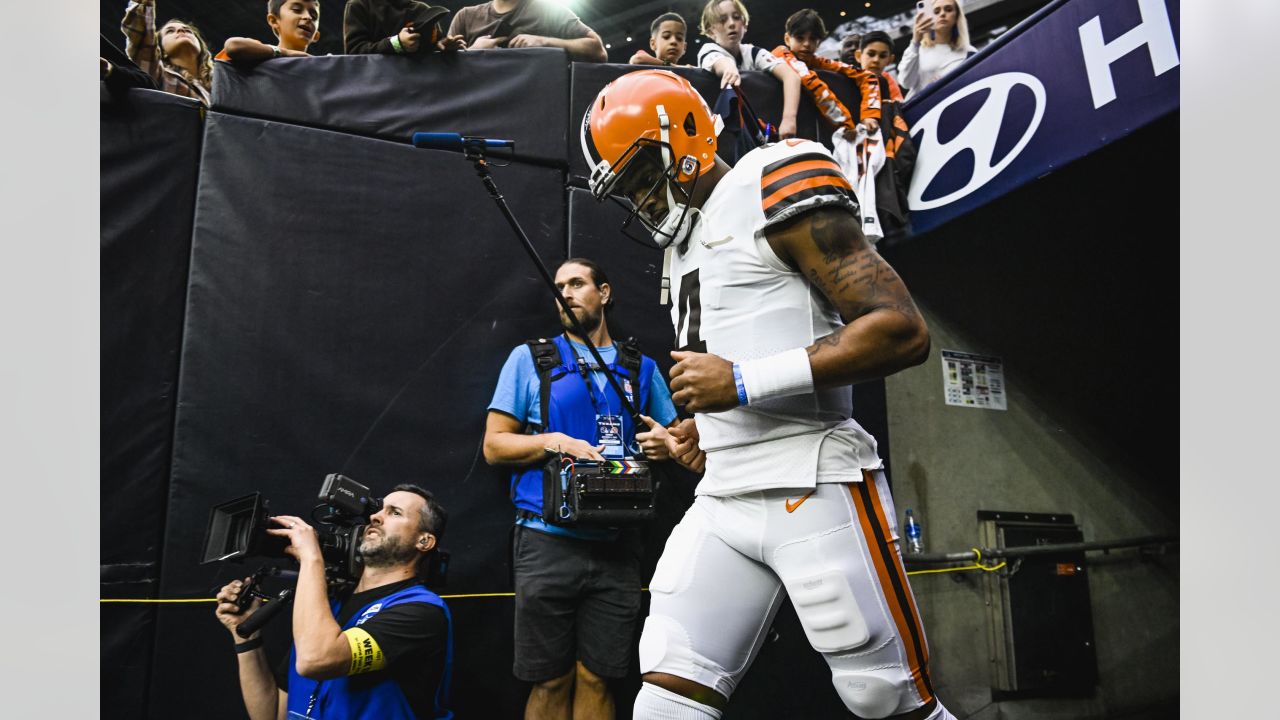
(737, 380)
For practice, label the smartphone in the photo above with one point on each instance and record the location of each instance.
(920, 11)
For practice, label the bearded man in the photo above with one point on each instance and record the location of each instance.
(383, 651)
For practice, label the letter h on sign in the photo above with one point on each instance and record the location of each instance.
(1155, 31)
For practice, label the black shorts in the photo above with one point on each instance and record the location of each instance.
(575, 600)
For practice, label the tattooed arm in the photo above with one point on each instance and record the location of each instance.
(883, 332)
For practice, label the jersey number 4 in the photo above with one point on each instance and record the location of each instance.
(690, 314)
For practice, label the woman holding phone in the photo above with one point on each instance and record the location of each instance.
(939, 42)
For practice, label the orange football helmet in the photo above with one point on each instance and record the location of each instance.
(653, 129)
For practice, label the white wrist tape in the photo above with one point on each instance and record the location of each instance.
(787, 373)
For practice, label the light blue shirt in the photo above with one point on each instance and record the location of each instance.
(518, 386)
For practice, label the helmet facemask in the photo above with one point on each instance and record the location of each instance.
(648, 167)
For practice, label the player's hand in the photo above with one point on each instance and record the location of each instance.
(528, 41)
(487, 42)
(702, 382)
(304, 544)
(656, 442)
(228, 613)
(872, 125)
(452, 43)
(787, 128)
(684, 447)
(580, 449)
(409, 39)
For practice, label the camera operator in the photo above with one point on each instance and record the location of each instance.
(384, 651)
(577, 588)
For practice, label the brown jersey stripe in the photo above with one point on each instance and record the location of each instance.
(770, 178)
(824, 191)
(767, 190)
(882, 558)
(791, 160)
(827, 183)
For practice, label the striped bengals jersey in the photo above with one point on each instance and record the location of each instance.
(734, 298)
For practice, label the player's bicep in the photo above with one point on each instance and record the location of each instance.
(828, 247)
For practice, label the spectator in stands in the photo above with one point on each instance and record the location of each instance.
(177, 58)
(666, 39)
(725, 22)
(876, 54)
(119, 78)
(804, 32)
(524, 24)
(295, 23)
(849, 49)
(939, 42)
(395, 27)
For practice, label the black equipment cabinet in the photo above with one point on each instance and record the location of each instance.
(1040, 621)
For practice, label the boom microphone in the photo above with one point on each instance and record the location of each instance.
(457, 143)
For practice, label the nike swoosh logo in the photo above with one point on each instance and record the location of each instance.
(708, 244)
(791, 506)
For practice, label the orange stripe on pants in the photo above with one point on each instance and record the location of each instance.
(904, 618)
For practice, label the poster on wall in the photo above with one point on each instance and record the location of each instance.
(970, 380)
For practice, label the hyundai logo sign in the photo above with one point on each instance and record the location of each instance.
(980, 135)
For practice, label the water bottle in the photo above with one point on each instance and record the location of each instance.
(915, 541)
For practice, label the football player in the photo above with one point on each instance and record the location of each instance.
(780, 304)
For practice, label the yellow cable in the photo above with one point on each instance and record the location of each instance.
(975, 566)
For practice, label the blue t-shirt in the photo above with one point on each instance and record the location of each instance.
(518, 386)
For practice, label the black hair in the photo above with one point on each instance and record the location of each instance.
(597, 274)
(879, 36)
(666, 17)
(806, 22)
(273, 6)
(434, 517)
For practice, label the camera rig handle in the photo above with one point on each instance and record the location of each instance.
(265, 614)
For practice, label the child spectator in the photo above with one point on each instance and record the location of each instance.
(178, 59)
(666, 40)
(725, 22)
(876, 55)
(295, 23)
(395, 27)
(527, 23)
(804, 32)
(939, 42)
(891, 183)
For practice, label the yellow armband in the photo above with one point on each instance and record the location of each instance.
(366, 656)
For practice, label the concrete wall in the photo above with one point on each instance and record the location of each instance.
(1087, 331)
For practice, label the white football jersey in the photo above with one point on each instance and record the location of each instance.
(733, 297)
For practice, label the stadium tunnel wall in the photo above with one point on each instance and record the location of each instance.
(293, 290)
(1061, 279)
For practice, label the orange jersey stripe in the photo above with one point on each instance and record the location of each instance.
(914, 662)
(786, 170)
(799, 185)
(901, 572)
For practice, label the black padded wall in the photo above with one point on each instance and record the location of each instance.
(149, 147)
(514, 94)
(351, 303)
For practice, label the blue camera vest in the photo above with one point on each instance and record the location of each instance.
(571, 410)
(335, 700)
